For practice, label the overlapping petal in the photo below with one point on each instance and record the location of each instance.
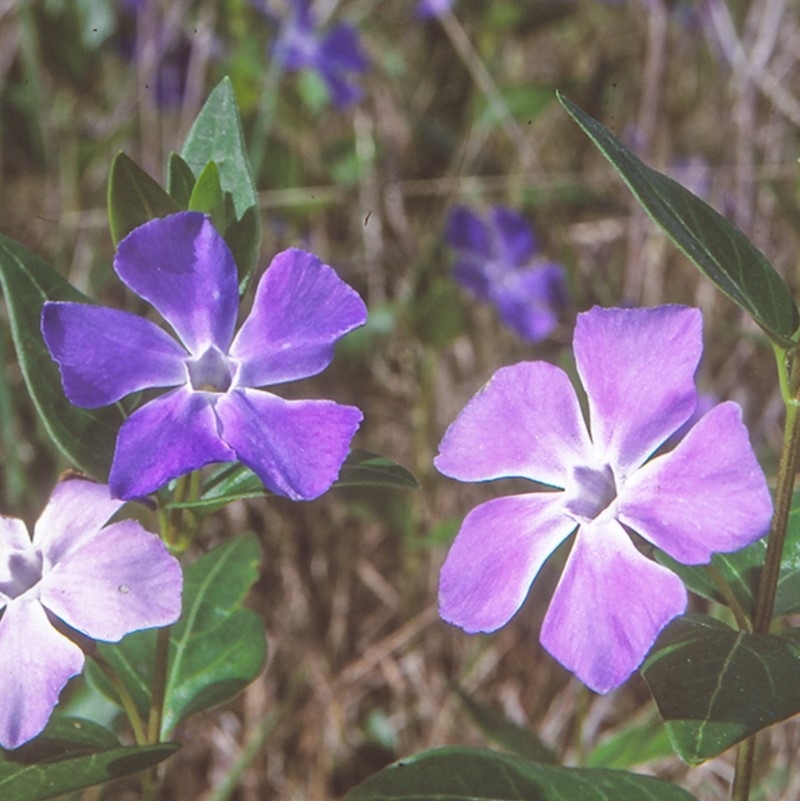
(164, 439)
(525, 422)
(182, 266)
(74, 514)
(515, 240)
(122, 580)
(638, 369)
(499, 550)
(301, 308)
(530, 300)
(104, 354)
(609, 606)
(295, 447)
(16, 549)
(36, 662)
(707, 495)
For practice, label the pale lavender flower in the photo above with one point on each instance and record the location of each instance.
(215, 413)
(335, 55)
(707, 495)
(103, 581)
(497, 261)
(428, 9)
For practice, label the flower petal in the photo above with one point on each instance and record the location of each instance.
(36, 661)
(164, 439)
(105, 354)
(530, 300)
(466, 231)
(295, 447)
(497, 554)
(121, 581)
(707, 495)
(184, 268)
(16, 551)
(515, 240)
(341, 49)
(301, 308)
(75, 513)
(525, 422)
(609, 607)
(637, 366)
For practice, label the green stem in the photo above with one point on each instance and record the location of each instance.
(159, 689)
(770, 572)
(125, 698)
(730, 597)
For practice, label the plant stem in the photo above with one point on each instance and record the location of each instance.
(159, 688)
(125, 699)
(770, 572)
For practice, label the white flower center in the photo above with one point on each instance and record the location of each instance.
(22, 571)
(211, 372)
(592, 491)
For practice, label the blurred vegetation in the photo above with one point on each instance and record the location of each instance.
(460, 109)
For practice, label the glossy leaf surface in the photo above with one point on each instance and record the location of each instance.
(715, 686)
(86, 437)
(716, 247)
(475, 774)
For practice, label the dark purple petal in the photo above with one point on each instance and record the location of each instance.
(343, 92)
(75, 513)
(122, 580)
(301, 308)
(525, 422)
(295, 447)
(531, 300)
(340, 49)
(638, 368)
(497, 554)
(470, 272)
(515, 243)
(707, 495)
(105, 354)
(36, 661)
(166, 438)
(182, 266)
(465, 231)
(609, 607)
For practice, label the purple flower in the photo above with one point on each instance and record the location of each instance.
(101, 582)
(427, 9)
(496, 260)
(707, 495)
(334, 55)
(182, 267)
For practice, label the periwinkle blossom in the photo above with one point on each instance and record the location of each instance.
(429, 9)
(497, 261)
(706, 495)
(215, 411)
(336, 56)
(103, 581)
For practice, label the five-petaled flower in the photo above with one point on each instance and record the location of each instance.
(497, 261)
(707, 495)
(335, 56)
(183, 267)
(77, 574)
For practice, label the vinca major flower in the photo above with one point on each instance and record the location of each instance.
(214, 413)
(608, 480)
(496, 260)
(103, 581)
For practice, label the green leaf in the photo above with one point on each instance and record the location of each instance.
(715, 686)
(69, 755)
(86, 437)
(207, 196)
(217, 648)
(505, 733)
(180, 180)
(235, 482)
(217, 136)
(635, 744)
(134, 198)
(474, 774)
(716, 247)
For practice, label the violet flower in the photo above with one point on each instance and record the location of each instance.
(429, 9)
(707, 495)
(184, 268)
(334, 56)
(497, 261)
(74, 575)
